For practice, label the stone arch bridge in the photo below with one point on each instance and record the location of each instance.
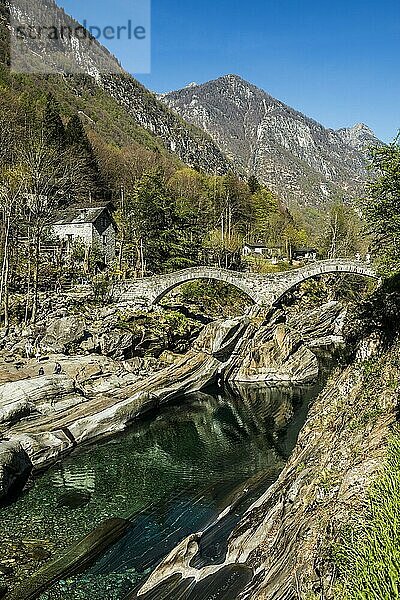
(264, 290)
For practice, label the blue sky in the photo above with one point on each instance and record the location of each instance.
(336, 61)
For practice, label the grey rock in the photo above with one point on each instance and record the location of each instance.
(15, 465)
(64, 333)
(360, 137)
(19, 399)
(117, 343)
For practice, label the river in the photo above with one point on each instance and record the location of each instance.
(170, 475)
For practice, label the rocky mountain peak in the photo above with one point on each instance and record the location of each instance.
(69, 55)
(360, 136)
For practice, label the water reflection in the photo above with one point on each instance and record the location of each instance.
(171, 476)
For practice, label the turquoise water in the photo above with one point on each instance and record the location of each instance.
(170, 476)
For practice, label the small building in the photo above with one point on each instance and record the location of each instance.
(305, 254)
(93, 226)
(261, 251)
(258, 249)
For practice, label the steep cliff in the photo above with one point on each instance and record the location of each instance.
(360, 136)
(88, 78)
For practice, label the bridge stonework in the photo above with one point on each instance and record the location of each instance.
(264, 290)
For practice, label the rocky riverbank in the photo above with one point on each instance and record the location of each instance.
(43, 418)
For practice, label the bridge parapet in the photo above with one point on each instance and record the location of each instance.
(262, 289)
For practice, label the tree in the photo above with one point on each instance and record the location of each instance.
(11, 188)
(154, 224)
(53, 127)
(268, 222)
(254, 184)
(294, 238)
(48, 177)
(343, 234)
(79, 143)
(381, 205)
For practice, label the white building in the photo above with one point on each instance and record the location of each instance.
(93, 226)
(251, 249)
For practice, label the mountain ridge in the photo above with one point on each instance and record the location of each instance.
(291, 153)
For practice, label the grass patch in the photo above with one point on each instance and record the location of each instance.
(368, 555)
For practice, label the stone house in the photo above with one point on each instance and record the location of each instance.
(251, 249)
(305, 254)
(93, 226)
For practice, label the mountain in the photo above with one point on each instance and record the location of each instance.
(115, 104)
(360, 137)
(292, 154)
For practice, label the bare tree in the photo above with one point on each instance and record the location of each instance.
(50, 177)
(11, 193)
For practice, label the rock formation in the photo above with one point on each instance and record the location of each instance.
(286, 536)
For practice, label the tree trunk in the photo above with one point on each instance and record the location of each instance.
(5, 269)
(36, 275)
(28, 291)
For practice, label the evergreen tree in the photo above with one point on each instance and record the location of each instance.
(156, 227)
(254, 184)
(53, 127)
(381, 206)
(78, 141)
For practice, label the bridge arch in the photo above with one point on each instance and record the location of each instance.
(174, 280)
(261, 289)
(326, 267)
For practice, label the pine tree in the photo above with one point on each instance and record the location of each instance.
(53, 126)
(78, 141)
(381, 206)
(253, 184)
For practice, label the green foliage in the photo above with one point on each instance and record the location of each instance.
(254, 184)
(53, 127)
(214, 298)
(102, 289)
(379, 312)
(368, 555)
(257, 264)
(381, 206)
(342, 233)
(78, 141)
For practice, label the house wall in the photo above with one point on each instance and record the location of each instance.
(101, 233)
(105, 236)
(79, 231)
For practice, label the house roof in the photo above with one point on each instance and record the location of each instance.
(301, 250)
(255, 245)
(76, 215)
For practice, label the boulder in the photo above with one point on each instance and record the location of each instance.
(282, 358)
(15, 466)
(318, 323)
(118, 343)
(65, 333)
(45, 447)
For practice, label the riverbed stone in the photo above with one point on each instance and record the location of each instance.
(45, 447)
(19, 399)
(64, 333)
(15, 466)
